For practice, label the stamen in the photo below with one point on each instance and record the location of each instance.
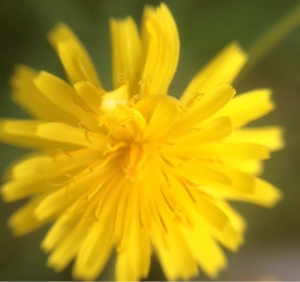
(82, 104)
(83, 127)
(163, 224)
(166, 161)
(101, 204)
(188, 191)
(79, 207)
(59, 184)
(61, 152)
(148, 78)
(120, 222)
(122, 77)
(134, 99)
(103, 162)
(141, 220)
(144, 83)
(167, 200)
(196, 97)
(93, 191)
(72, 177)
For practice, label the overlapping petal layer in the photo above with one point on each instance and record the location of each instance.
(133, 170)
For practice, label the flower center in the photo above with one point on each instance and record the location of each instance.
(136, 161)
(127, 125)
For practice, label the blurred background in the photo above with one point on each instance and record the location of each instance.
(272, 248)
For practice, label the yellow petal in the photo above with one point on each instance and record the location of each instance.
(134, 249)
(247, 165)
(53, 204)
(68, 246)
(53, 166)
(200, 175)
(72, 135)
(23, 220)
(175, 256)
(229, 237)
(173, 251)
(147, 105)
(91, 95)
(65, 97)
(201, 206)
(31, 166)
(264, 194)
(95, 251)
(134, 263)
(58, 201)
(74, 57)
(240, 181)
(237, 221)
(23, 133)
(248, 106)
(159, 216)
(19, 132)
(22, 188)
(231, 150)
(105, 195)
(28, 96)
(212, 131)
(164, 116)
(205, 250)
(222, 69)
(126, 53)
(38, 174)
(117, 97)
(161, 44)
(270, 137)
(209, 104)
(242, 186)
(62, 226)
(211, 213)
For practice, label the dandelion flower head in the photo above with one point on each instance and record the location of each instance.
(134, 171)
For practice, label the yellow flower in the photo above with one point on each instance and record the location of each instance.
(133, 170)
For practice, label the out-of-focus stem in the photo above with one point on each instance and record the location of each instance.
(270, 39)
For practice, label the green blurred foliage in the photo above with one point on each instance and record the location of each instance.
(205, 26)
